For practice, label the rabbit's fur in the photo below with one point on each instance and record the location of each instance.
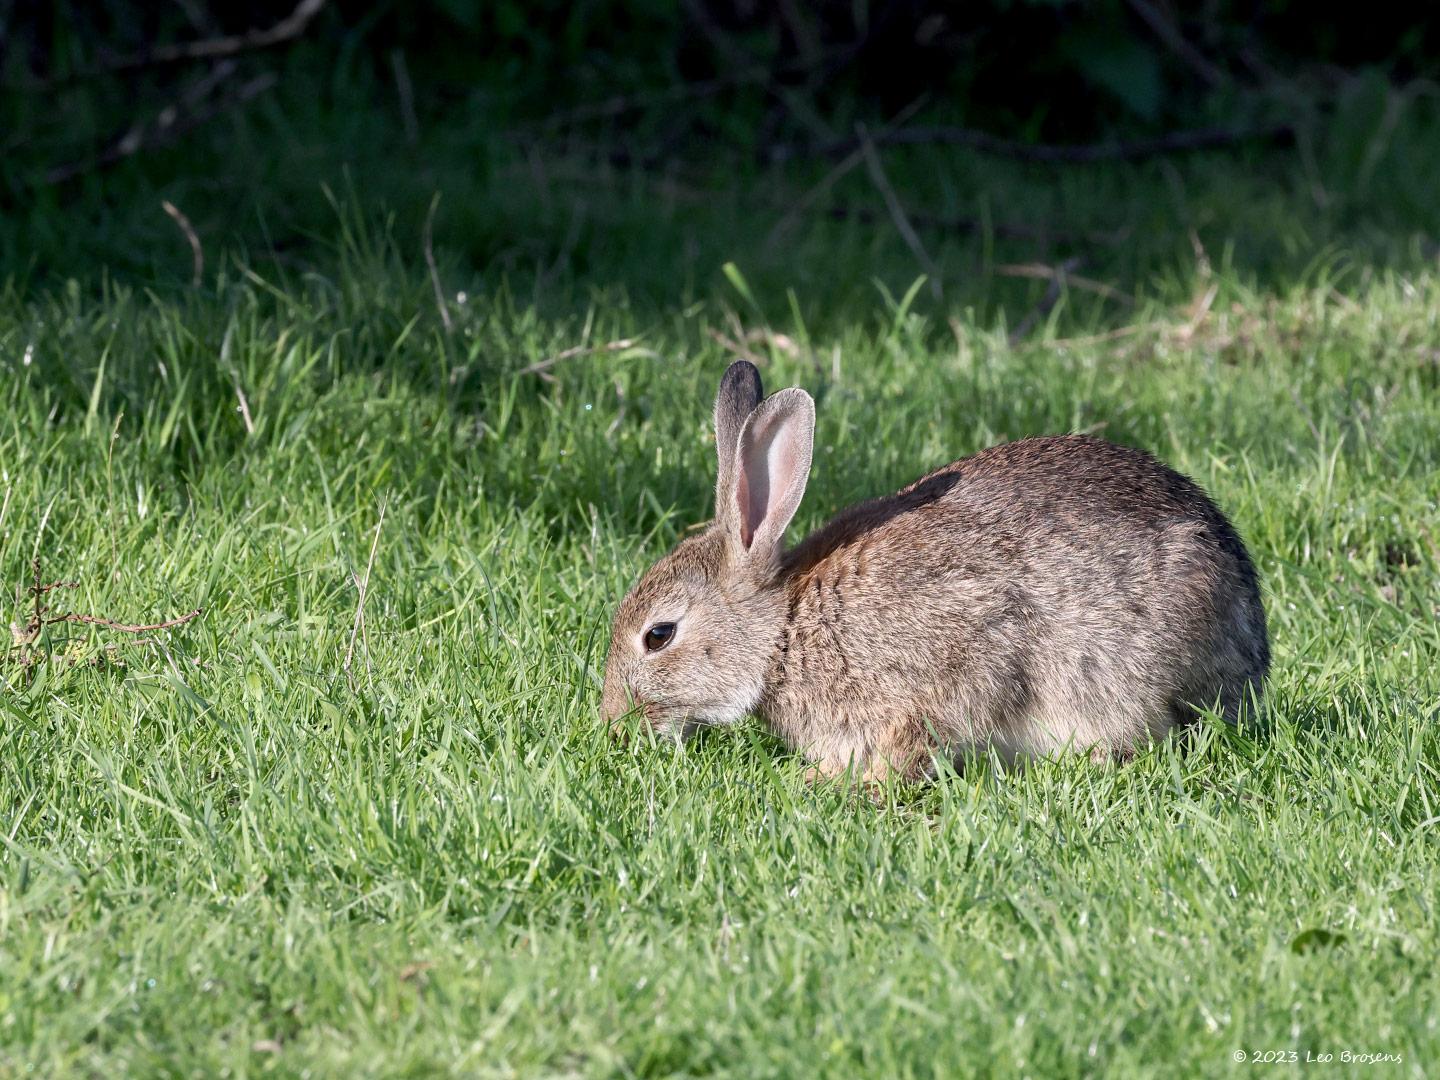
(1048, 593)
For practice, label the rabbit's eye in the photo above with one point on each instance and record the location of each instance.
(658, 636)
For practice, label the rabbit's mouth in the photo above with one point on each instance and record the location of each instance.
(671, 721)
(678, 725)
(677, 720)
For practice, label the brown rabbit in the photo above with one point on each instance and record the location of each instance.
(1048, 593)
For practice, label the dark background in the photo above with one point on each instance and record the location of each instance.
(642, 144)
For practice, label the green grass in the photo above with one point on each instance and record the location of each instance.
(224, 851)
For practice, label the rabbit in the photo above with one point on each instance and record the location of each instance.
(1050, 593)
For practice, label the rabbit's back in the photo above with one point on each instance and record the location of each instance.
(1045, 592)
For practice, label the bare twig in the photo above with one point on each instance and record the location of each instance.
(1101, 338)
(40, 590)
(244, 408)
(735, 55)
(1071, 154)
(897, 211)
(40, 616)
(1199, 311)
(1170, 36)
(792, 209)
(735, 347)
(1206, 290)
(37, 620)
(1047, 302)
(288, 28)
(619, 412)
(435, 270)
(620, 104)
(362, 587)
(171, 122)
(197, 253)
(540, 367)
(244, 403)
(126, 628)
(828, 181)
(406, 91)
(1042, 272)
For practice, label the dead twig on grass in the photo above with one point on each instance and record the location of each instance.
(244, 408)
(40, 616)
(40, 590)
(1047, 302)
(244, 402)
(1043, 272)
(1207, 289)
(734, 347)
(1100, 339)
(542, 367)
(127, 628)
(897, 211)
(619, 412)
(197, 253)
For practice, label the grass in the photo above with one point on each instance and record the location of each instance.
(227, 850)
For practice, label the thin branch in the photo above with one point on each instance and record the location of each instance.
(40, 590)
(171, 122)
(1071, 154)
(1047, 302)
(287, 29)
(540, 367)
(828, 181)
(197, 253)
(1170, 36)
(897, 211)
(735, 347)
(40, 615)
(126, 628)
(791, 209)
(37, 620)
(736, 56)
(619, 412)
(1042, 272)
(620, 104)
(1099, 339)
(428, 238)
(244, 408)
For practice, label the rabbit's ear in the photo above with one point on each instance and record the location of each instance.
(740, 392)
(771, 467)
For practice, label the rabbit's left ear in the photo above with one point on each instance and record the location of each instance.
(740, 391)
(772, 465)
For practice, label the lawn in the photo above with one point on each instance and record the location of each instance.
(359, 817)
